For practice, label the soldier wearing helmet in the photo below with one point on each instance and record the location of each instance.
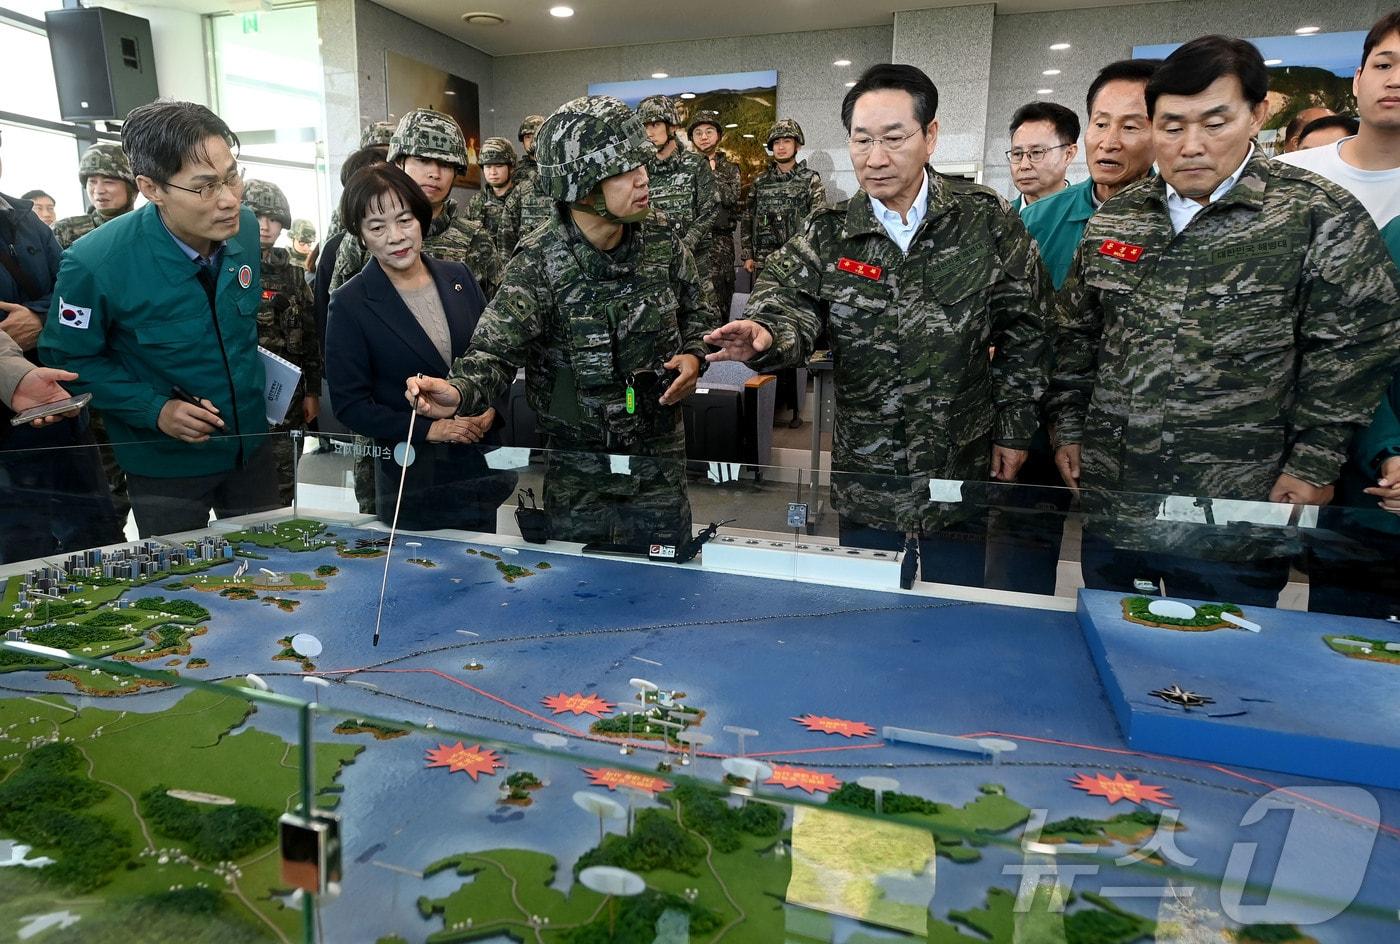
(497, 170)
(286, 322)
(110, 186)
(780, 199)
(605, 310)
(429, 147)
(682, 184)
(378, 134)
(529, 127)
(706, 130)
(303, 236)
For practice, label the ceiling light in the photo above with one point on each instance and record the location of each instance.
(732, 125)
(1307, 30)
(850, 85)
(561, 12)
(842, 63)
(748, 136)
(1058, 47)
(1273, 62)
(661, 75)
(687, 95)
(1045, 91)
(482, 19)
(449, 91)
(1051, 72)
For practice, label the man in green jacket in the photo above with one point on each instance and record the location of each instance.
(157, 313)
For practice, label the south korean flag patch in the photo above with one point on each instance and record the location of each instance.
(72, 315)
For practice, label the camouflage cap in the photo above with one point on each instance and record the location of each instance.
(267, 199)
(705, 117)
(658, 108)
(785, 128)
(496, 151)
(303, 231)
(531, 125)
(432, 135)
(587, 141)
(105, 160)
(378, 134)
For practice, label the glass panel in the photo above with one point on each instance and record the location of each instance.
(27, 54)
(35, 159)
(34, 8)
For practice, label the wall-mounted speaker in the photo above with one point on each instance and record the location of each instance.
(103, 63)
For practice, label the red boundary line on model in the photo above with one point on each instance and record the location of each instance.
(589, 736)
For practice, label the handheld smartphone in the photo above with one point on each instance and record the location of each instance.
(51, 409)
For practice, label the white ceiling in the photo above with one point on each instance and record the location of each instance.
(529, 27)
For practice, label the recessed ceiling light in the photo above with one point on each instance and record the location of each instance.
(850, 85)
(734, 124)
(1059, 46)
(661, 75)
(687, 95)
(449, 91)
(561, 12)
(748, 136)
(1307, 30)
(842, 63)
(1051, 72)
(1273, 62)
(482, 19)
(1045, 91)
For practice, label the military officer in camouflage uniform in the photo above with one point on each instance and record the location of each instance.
(110, 186)
(1225, 329)
(780, 198)
(497, 169)
(602, 306)
(526, 168)
(429, 147)
(914, 279)
(682, 184)
(706, 130)
(303, 236)
(286, 325)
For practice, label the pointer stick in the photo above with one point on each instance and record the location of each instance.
(394, 525)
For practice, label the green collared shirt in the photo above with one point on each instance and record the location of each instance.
(1057, 224)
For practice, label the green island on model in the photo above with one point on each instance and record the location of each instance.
(716, 870)
(182, 845)
(381, 732)
(1135, 610)
(1360, 647)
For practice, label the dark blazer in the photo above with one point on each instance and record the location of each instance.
(374, 344)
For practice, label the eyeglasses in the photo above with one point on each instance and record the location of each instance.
(1036, 154)
(210, 191)
(890, 142)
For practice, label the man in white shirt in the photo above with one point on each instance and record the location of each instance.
(1369, 164)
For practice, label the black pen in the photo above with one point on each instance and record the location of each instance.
(178, 392)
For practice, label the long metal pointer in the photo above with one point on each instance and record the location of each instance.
(394, 525)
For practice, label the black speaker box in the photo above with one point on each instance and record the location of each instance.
(103, 63)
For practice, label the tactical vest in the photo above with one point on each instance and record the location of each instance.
(780, 205)
(536, 207)
(615, 333)
(672, 190)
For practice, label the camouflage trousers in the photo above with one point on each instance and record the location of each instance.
(723, 280)
(116, 478)
(589, 502)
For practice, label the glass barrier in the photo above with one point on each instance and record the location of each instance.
(602, 722)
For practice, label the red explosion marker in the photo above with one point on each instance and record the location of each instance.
(800, 778)
(1120, 788)
(473, 761)
(612, 778)
(827, 725)
(578, 703)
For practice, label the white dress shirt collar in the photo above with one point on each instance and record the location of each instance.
(900, 231)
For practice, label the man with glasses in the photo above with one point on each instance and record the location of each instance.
(1043, 136)
(914, 279)
(157, 313)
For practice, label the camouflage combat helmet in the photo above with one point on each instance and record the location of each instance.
(378, 134)
(267, 199)
(303, 231)
(531, 125)
(106, 160)
(705, 117)
(586, 141)
(431, 135)
(658, 108)
(785, 128)
(496, 151)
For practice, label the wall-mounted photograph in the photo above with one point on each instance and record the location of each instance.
(746, 101)
(412, 84)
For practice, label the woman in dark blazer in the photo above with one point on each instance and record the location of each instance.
(405, 314)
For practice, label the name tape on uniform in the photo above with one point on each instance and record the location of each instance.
(1116, 250)
(856, 267)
